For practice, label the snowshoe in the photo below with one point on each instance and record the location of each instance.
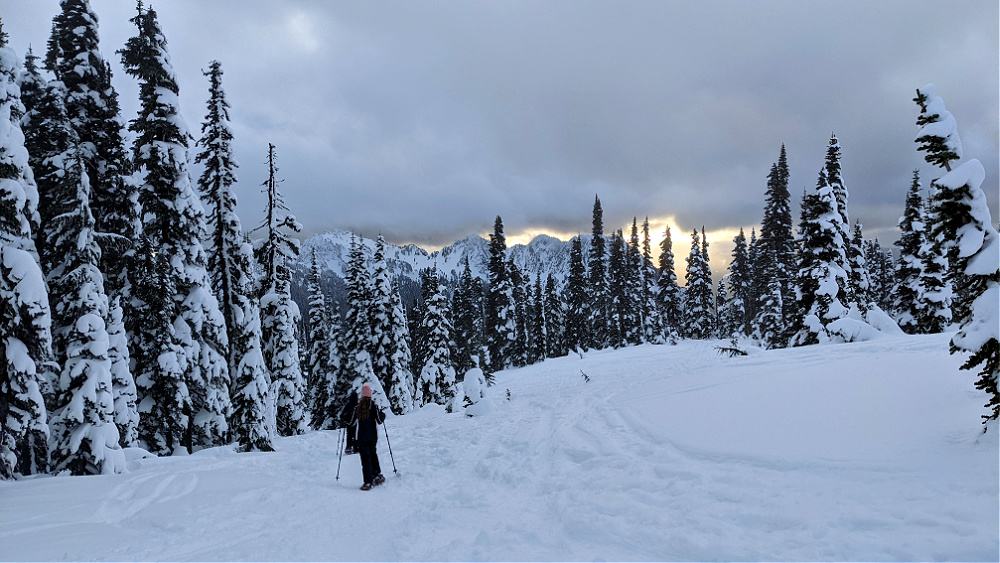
(366, 487)
(379, 479)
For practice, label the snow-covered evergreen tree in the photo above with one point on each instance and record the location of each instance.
(935, 295)
(436, 382)
(858, 276)
(391, 358)
(652, 325)
(619, 305)
(466, 309)
(216, 181)
(597, 284)
(555, 320)
(124, 393)
(775, 248)
(357, 363)
(25, 317)
(229, 266)
(500, 321)
(834, 178)
(882, 274)
(401, 384)
(740, 283)
(318, 358)
(822, 280)
(699, 294)
(768, 327)
(539, 335)
(962, 229)
(668, 293)
(577, 297)
(92, 105)
(518, 349)
(906, 292)
(165, 407)
(279, 314)
(633, 326)
(938, 136)
(174, 221)
(84, 437)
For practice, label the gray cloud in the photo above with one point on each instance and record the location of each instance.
(424, 121)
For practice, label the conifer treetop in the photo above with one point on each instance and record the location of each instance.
(938, 135)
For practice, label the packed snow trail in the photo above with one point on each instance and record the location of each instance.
(863, 451)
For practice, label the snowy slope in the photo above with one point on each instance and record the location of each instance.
(868, 451)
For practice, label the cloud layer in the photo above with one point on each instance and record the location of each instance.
(423, 121)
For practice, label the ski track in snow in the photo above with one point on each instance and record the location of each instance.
(668, 453)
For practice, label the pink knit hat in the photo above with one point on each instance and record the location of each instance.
(366, 390)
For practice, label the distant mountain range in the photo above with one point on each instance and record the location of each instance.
(544, 254)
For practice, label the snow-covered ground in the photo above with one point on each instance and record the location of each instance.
(868, 451)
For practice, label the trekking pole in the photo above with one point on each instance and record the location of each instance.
(390, 449)
(340, 456)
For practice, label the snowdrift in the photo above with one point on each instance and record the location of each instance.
(862, 451)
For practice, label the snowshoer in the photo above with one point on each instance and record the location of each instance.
(367, 416)
(346, 416)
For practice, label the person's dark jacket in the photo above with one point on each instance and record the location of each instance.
(347, 415)
(367, 429)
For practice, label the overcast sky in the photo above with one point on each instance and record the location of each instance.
(425, 120)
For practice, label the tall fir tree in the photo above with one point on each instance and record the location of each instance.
(164, 400)
(326, 403)
(577, 297)
(725, 325)
(768, 326)
(699, 294)
(215, 184)
(618, 293)
(740, 283)
(555, 320)
(401, 384)
(123, 388)
(518, 349)
(835, 179)
(500, 321)
(935, 295)
(25, 316)
(859, 275)
(358, 339)
(229, 266)
(319, 360)
(652, 326)
(465, 307)
(391, 358)
(84, 439)
(597, 278)
(905, 294)
(75, 58)
(963, 231)
(437, 380)
(174, 221)
(280, 315)
(822, 280)
(669, 294)
(882, 274)
(776, 246)
(635, 322)
(539, 333)
(939, 139)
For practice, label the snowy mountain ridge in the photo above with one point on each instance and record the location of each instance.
(543, 255)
